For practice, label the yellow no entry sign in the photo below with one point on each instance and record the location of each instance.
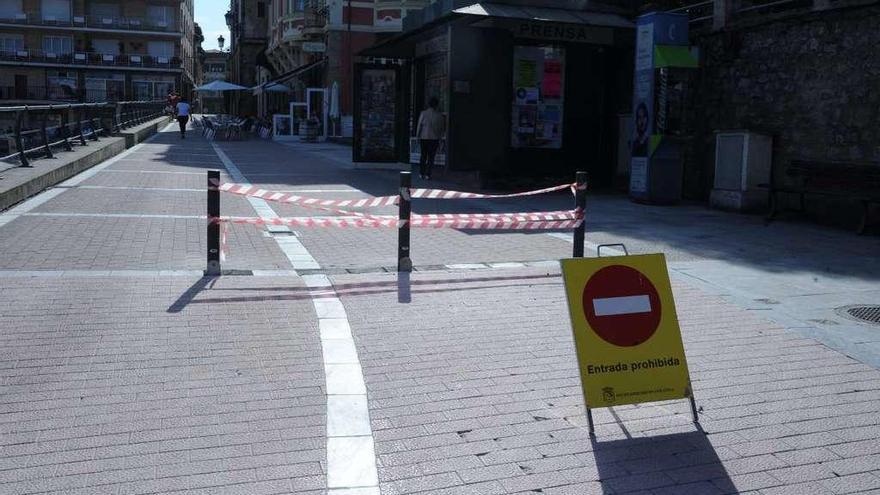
(626, 331)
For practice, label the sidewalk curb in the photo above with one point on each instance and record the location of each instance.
(101, 151)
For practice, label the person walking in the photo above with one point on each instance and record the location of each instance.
(430, 129)
(182, 116)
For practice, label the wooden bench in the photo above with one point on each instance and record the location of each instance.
(855, 181)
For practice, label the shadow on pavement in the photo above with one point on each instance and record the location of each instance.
(402, 286)
(676, 463)
(187, 297)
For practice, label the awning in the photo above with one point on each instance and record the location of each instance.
(271, 87)
(299, 71)
(674, 56)
(545, 14)
(398, 45)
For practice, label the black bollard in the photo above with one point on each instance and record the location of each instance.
(580, 204)
(404, 205)
(213, 223)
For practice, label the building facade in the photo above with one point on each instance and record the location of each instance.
(530, 88)
(85, 50)
(312, 44)
(247, 22)
(215, 67)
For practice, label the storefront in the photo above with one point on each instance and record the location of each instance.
(527, 91)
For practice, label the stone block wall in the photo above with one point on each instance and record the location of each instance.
(811, 81)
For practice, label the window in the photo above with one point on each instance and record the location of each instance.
(61, 85)
(143, 90)
(11, 42)
(55, 10)
(9, 9)
(58, 45)
(160, 15)
(160, 49)
(261, 9)
(107, 47)
(104, 10)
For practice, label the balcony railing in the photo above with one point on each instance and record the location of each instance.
(87, 21)
(90, 59)
(315, 14)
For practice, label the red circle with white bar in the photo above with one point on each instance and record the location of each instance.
(621, 305)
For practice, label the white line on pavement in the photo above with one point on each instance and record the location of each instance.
(88, 174)
(260, 206)
(151, 172)
(129, 273)
(110, 215)
(48, 194)
(351, 454)
(133, 188)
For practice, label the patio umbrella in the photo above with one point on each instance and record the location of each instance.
(219, 86)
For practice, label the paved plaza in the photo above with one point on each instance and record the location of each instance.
(312, 367)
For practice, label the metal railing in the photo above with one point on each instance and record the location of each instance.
(698, 12)
(91, 21)
(30, 55)
(75, 123)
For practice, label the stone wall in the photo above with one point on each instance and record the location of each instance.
(812, 81)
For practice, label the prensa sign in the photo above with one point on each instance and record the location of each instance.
(626, 332)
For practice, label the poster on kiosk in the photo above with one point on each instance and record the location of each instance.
(663, 62)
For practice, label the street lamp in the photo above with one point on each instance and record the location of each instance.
(220, 41)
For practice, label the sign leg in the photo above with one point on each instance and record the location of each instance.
(694, 409)
(590, 422)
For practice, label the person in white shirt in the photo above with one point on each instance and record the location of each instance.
(430, 129)
(182, 116)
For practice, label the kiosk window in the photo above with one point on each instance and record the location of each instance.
(538, 96)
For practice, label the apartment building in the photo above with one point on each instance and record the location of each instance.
(214, 68)
(95, 50)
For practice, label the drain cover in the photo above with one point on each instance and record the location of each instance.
(867, 314)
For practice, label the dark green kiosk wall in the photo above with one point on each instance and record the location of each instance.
(598, 82)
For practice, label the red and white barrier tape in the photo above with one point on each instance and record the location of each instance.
(223, 241)
(248, 190)
(253, 191)
(443, 194)
(503, 223)
(531, 217)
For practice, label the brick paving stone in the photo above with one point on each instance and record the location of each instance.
(175, 391)
(466, 338)
(123, 385)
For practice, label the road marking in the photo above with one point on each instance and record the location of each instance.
(351, 453)
(611, 306)
(351, 456)
(113, 215)
(151, 172)
(98, 273)
(48, 194)
(134, 188)
(260, 206)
